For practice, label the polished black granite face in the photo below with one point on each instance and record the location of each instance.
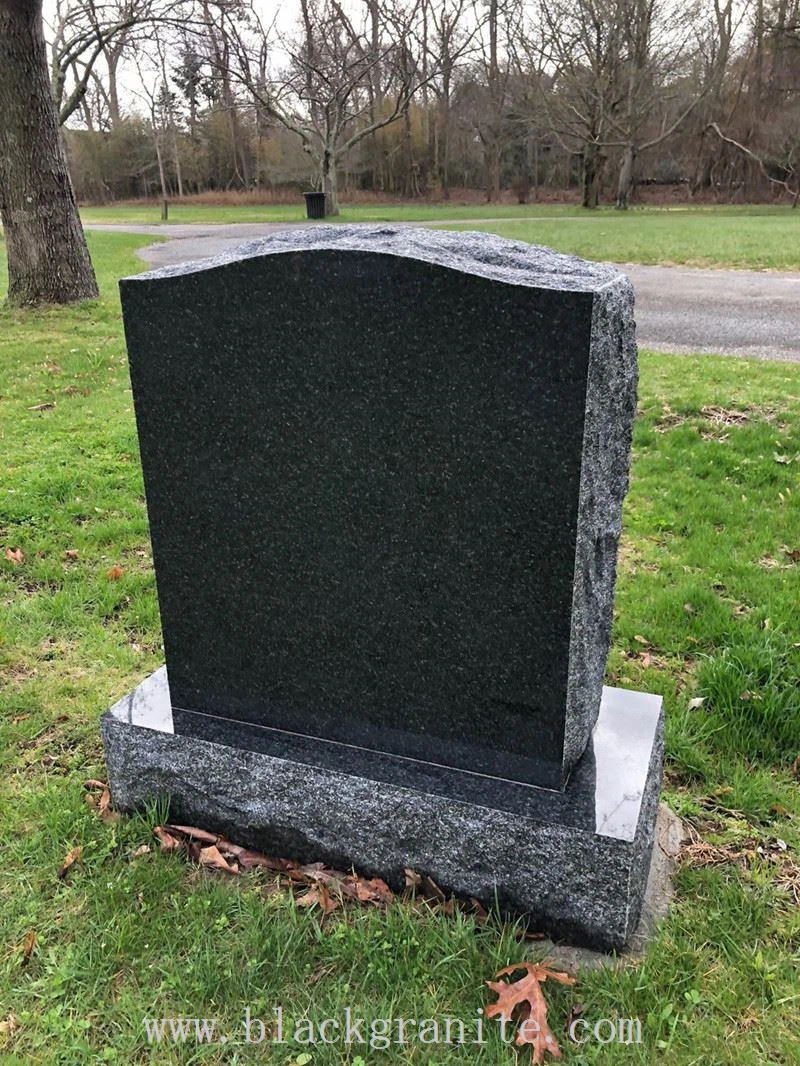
(365, 457)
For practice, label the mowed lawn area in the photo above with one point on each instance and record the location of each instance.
(751, 236)
(707, 615)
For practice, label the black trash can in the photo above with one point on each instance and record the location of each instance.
(315, 204)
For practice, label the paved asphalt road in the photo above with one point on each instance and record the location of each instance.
(678, 309)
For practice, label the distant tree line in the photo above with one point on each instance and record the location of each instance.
(405, 98)
(414, 98)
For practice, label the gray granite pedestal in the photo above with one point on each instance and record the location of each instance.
(574, 863)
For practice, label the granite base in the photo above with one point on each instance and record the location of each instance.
(574, 864)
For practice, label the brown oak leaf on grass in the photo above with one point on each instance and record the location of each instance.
(102, 804)
(325, 887)
(15, 556)
(523, 1001)
(212, 857)
(167, 841)
(8, 1026)
(70, 858)
(28, 946)
(319, 896)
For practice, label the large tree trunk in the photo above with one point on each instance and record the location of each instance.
(329, 185)
(625, 183)
(48, 261)
(493, 168)
(591, 176)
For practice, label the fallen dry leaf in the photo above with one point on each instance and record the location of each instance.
(640, 639)
(793, 554)
(71, 553)
(167, 841)
(28, 946)
(115, 573)
(698, 701)
(319, 896)
(575, 1011)
(195, 834)
(143, 849)
(15, 556)
(423, 887)
(248, 859)
(8, 1026)
(94, 782)
(42, 407)
(372, 890)
(723, 416)
(523, 1000)
(70, 858)
(520, 932)
(477, 909)
(212, 858)
(413, 879)
(325, 887)
(105, 810)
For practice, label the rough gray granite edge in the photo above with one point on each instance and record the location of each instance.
(574, 884)
(482, 254)
(659, 892)
(608, 431)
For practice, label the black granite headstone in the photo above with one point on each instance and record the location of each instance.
(363, 458)
(384, 471)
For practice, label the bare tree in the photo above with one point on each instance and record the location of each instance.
(657, 39)
(159, 98)
(84, 31)
(714, 31)
(761, 122)
(581, 43)
(497, 32)
(447, 42)
(784, 173)
(327, 93)
(48, 261)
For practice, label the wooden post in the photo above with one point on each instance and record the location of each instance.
(164, 210)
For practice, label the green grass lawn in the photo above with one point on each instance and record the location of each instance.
(707, 608)
(408, 212)
(755, 237)
(697, 238)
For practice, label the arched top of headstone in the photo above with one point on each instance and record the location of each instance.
(479, 254)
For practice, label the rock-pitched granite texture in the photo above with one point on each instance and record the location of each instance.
(573, 863)
(384, 470)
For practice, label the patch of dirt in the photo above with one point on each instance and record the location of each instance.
(669, 419)
(744, 854)
(716, 417)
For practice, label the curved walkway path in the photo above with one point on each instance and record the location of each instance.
(678, 309)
